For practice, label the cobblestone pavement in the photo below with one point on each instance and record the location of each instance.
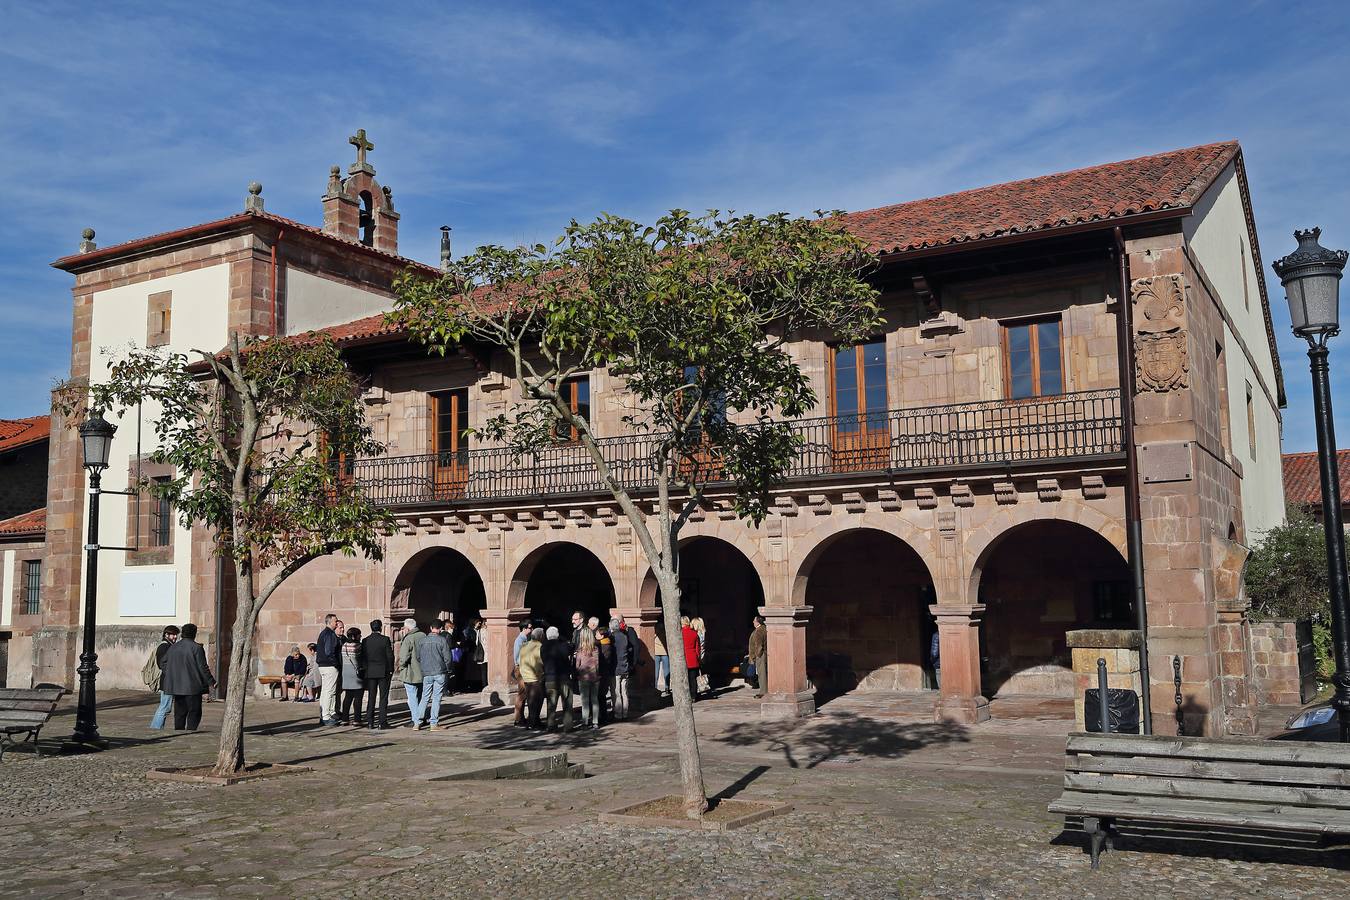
(881, 808)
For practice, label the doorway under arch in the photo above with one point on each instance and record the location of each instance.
(560, 578)
(436, 580)
(1037, 582)
(870, 628)
(719, 584)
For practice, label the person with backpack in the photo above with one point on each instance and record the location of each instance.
(153, 671)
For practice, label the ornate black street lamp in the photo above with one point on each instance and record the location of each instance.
(1311, 276)
(96, 436)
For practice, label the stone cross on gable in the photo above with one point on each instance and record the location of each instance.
(362, 145)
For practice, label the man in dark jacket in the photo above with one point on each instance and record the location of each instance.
(377, 656)
(557, 657)
(328, 660)
(186, 676)
(625, 663)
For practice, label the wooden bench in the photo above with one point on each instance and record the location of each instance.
(24, 711)
(1227, 784)
(271, 682)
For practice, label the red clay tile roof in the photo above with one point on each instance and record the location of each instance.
(34, 522)
(1166, 181)
(79, 261)
(16, 433)
(1303, 483)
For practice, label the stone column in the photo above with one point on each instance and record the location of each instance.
(789, 694)
(1235, 667)
(500, 625)
(960, 699)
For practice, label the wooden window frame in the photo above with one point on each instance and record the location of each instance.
(569, 389)
(859, 373)
(141, 513)
(1031, 322)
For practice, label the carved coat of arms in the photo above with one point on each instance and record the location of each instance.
(1160, 354)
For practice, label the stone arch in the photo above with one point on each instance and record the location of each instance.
(574, 576)
(869, 590)
(438, 578)
(1036, 581)
(721, 584)
(982, 540)
(817, 541)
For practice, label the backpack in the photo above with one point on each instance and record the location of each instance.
(150, 673)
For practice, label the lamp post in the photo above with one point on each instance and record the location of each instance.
(96, 436)
(1311, 276)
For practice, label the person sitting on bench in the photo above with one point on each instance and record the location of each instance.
(294, 675)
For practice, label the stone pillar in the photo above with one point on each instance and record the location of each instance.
(960, 699)
(642, 621)
(1235, 667)
(1120, 649)
(501, 628)
(789, 694)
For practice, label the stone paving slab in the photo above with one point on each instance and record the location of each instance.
(880, 809)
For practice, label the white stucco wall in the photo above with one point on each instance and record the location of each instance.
(1217, 234)
(315, 302)
(200, 308)
(7, 598)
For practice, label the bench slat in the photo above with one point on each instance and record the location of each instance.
(50, 695)
(1204, 812)
(1200, 789)
(1235, 749)
(42, 705)
(1312, 776)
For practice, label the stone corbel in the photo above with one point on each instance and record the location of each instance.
(854, 502)
(889, 500)
(926, 498)
(501, 522)
(528, 520)
(1094, 487)
(579, 517)
(1005, 492)
(477, 522)
(606, 515)
(553, 518)
(429, 525)
(455, 524)
(962, 495)
(1048, 490)
(785, 506)
(819, 504)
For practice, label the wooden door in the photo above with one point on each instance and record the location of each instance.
(860, 428)
(450, 443)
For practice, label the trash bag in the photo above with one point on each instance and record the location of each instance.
(1122, 705)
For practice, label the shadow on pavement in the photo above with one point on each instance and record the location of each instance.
(807, 744)
(739, 784)
(350, 750)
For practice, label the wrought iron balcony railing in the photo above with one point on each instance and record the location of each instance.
(963, 435)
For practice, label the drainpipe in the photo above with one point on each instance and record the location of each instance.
(1134, 536)
(280, 234)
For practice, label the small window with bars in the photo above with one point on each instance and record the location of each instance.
(32, 587)
(161, 517)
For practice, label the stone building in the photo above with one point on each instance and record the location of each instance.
(23, 492)
(966, 473)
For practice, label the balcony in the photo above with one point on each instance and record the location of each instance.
(1079, 426)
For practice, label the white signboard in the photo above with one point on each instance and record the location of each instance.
(148, 593)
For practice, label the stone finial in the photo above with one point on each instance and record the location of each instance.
(254, 201)
(87, 241)
(334, 182)
(388, 198)
(445, 248)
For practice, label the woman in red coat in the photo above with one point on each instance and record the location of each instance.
(691, 655)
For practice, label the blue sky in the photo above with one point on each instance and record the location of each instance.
(504, 120)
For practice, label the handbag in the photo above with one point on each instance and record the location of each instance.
(456, 654)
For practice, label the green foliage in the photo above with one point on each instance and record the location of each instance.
(252, 436)
(694, 313)
(1286, 575)
(1322, 649)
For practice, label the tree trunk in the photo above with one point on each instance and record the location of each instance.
(230, 758)
(686, 735)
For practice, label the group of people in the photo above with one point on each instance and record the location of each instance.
(595, 663)
(350, 674)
